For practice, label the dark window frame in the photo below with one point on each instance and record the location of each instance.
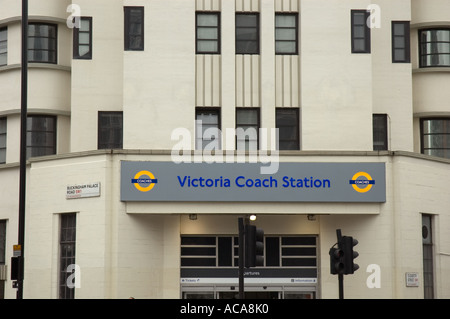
(3, 231)
(101, 142)
(367, 35)
(258, 33)
(428, 256)
(4, 29)
(221, 251)
(296, 140)
(55, 50)
(33, 148)
(257, 125)
(127, 28)
(4, 136)
(218, 27)
(216, 110)
(406, 38)
(2, 242)
(76, 40)
(67, 250)
(296, 28)
(423, 134)
(385, 145)
(421, 46)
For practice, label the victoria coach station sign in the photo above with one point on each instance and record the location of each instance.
(243, 182)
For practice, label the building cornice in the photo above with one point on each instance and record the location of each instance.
(284, 154)
(49, 66)
(32, 18)
(35, 111)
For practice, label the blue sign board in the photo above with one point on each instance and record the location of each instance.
(243, 182)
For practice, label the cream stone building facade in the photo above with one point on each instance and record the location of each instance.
(357, 89)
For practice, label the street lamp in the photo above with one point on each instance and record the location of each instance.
(23, 146)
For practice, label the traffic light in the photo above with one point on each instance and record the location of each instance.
(254, 246)
(16, 268)
(347, 245)
(337, 262)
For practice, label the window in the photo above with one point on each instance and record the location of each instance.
(400, 42)
(208, 33)
(428, 265)
(434, 47)
(207, 129)
(82, 39)
(3, 140)
(66, 254)
(247, 33)
(41, 135)
(287, 123)
(2, 242)
(247, 127)
(110, 130)
(134, 28)
(436, 137)
(223, 251)
(360, 31)
(3, 46)
(2, 255)
(286, 33)
(42, 43)
(380, 132)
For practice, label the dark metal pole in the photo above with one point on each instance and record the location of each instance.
(340, 276)
(241, 257)
(23, 146)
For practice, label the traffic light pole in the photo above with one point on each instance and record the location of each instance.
(340, 276)
(241, 256)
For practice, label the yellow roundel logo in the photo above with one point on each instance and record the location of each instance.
(144, 181)
(362, 185)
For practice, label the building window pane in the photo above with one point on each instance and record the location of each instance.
(2, 255)
(286, 34)
(110, 130)
(436, 137)
(247, 33)
(134, 28)
(41, 135)
(207, 129)
(360, 31)
(42, 43)
(427, 245)
(82, 39)
(3, 46)
(2, 140)
(380, 132)
(247, 127)
(67, 242)
(287, 123)
(434, 48)
(400, 42)
(2, 242)
(223, 252)
(208, 33)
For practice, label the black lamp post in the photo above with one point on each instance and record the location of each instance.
(23, 146)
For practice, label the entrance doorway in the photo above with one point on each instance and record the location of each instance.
(217, 292)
